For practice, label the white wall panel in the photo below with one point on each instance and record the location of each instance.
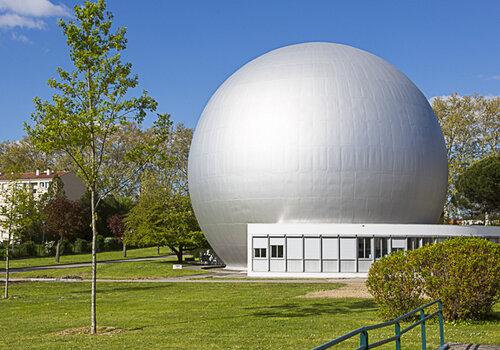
(312, 265)
(295, 265)
(330, 248)
(260, 265)
(399, 243)
(312, 248)
(259, 242)
(348, 248)
(294, 248)
(277, 265)
(329, 266)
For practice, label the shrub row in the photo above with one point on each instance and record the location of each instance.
(31, 249)
(463, 272)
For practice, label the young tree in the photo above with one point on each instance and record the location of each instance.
(471, 131)
(117, 227)
(17, 205)
(478, 187)
(163, 214)
(161, 217)
(92, 103)
(64, 219)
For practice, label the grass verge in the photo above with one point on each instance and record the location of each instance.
(193, 316)
(83, 258)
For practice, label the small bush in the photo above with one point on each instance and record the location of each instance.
(111, 243)
(24, 250)
(81, 246)
(463, 272)
(395, 285)
(99, 243)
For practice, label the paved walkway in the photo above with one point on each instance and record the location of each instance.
(182, 279)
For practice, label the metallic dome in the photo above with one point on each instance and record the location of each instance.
(316, 133)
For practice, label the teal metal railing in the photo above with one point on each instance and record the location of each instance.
(364, 343)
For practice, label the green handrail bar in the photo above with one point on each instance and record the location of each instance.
(364, 343)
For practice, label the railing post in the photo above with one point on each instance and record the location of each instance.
(422, 329)
(397, 329)
(363, 340)
(441, 323)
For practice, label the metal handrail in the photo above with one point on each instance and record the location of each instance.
(364, 343)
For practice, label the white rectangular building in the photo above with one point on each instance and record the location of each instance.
(339, 250)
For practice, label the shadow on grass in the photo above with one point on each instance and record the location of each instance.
(315, 309)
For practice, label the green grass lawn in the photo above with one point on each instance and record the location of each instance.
(80, 258)
(198, 316)
(126, 270)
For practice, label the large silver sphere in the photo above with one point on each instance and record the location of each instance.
(315, 132)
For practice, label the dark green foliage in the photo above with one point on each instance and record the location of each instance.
(478, 187)
(100, 243)
(81, 246)
(463, 272)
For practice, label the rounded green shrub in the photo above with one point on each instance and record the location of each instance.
(395, 284)
(463, 272)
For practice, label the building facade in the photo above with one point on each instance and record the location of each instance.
(340, 250)
(39, 182)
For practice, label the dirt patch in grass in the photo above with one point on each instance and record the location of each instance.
(103, 330)
(349, 289)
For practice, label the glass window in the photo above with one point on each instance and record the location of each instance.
(380, 247)
(259, 253)
(276, 251)
(364, 248)
(412, 243)
(427, 240)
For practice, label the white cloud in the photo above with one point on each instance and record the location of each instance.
(494, 77)
(11, 20)
(20, 38)
(33, 8)
(28, 13)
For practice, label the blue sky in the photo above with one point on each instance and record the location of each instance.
(183, 50)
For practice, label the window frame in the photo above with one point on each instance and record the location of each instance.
(262, 253)
(276, 253)
(366, 248)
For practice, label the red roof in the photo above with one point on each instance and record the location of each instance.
(32, 175)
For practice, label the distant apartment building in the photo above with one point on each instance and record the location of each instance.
(39, 182)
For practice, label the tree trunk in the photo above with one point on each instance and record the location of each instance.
(93, 322)
(179, 255)
(486, 219)
(58, 250)
(158, 250)
(7, 264)
(124, 249)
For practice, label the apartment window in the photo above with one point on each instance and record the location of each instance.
(380, 247)
(364, 248)
(259, 253)
(276, 251)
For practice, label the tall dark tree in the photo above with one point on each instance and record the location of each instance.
(478, 187)
(92, 103)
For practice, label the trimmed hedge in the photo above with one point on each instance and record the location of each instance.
(463, 272)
